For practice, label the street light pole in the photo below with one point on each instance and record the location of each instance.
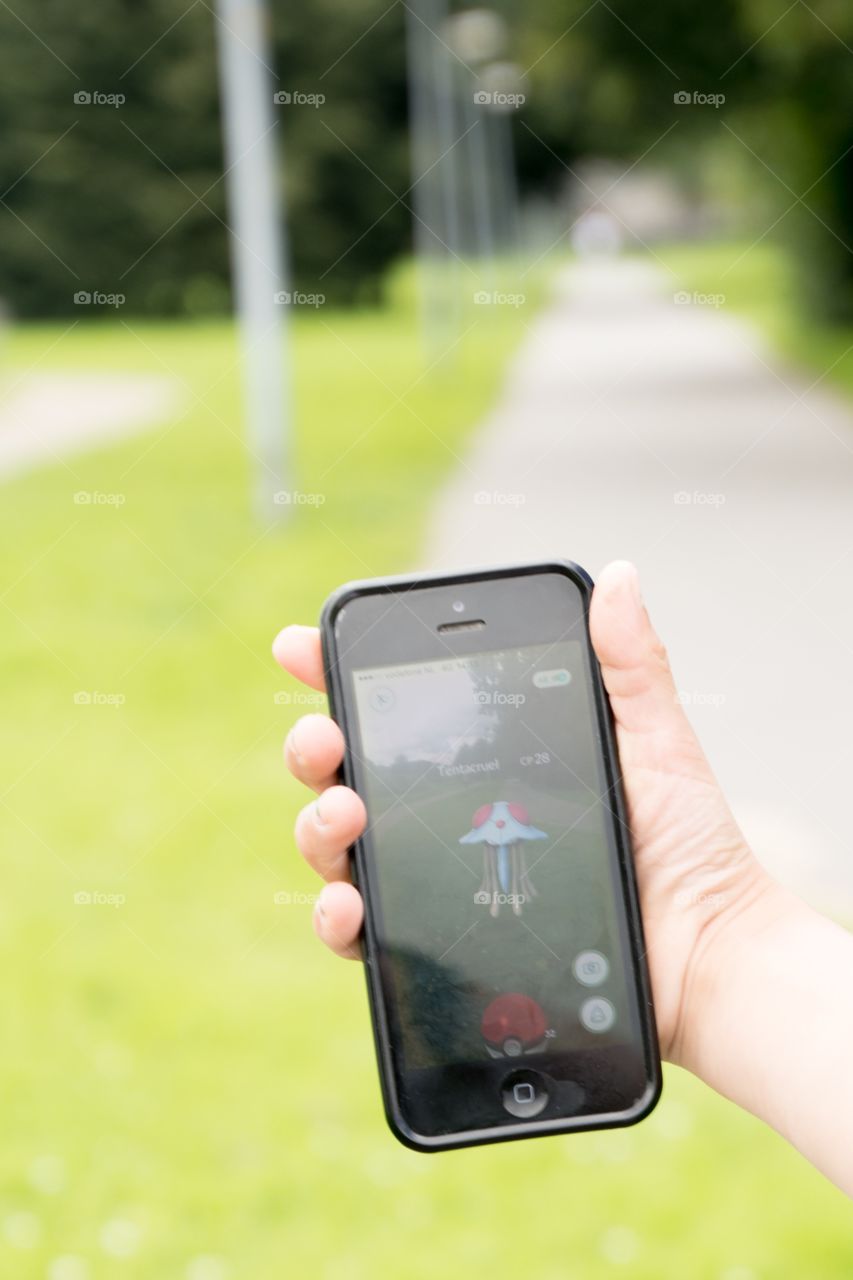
(476, 36)
(434, 171)
(258, 253)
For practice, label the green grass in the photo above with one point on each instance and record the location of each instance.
(188, 1074)
(759, 281)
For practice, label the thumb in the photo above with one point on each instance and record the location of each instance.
(633, 661)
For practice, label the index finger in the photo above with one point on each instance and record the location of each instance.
(297, 649)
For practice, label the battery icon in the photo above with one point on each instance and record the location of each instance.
(552, 679)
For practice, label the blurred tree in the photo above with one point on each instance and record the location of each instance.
(347, 160)
(803, 131)
(129, 199)
(610, 83)
(100, 196)
(606, 80)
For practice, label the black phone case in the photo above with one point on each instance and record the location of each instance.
(526, 1128)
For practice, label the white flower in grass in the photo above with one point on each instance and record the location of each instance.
(70, 1266)
(620, 1245)
(22, 1230)
(207, 1266)
(120, 1237)
(47, 1174)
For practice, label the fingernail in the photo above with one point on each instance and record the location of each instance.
(292, 748)
(634, 586)
(319, 917)
(318, 817)
(279, 642)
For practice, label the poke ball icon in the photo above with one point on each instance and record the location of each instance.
(512, 1025)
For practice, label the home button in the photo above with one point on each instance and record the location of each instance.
(524, 1094)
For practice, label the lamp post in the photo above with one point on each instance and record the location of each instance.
(435, 184)
(257, 238)
(477, 36)
(501, 82)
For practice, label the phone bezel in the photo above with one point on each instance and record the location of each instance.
(372, 954)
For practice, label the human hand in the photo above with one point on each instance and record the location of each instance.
(695, 872)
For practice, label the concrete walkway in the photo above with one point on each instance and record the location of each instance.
(44, 417)
(636, 426)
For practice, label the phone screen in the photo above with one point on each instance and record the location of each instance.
(493, 858)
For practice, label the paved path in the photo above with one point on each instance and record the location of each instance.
(44, 417)
(633, 426)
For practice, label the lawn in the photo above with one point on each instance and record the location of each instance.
(188, 1078)
(759, 281)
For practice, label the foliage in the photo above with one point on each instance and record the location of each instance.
(131, 199)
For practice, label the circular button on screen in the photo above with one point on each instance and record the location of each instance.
(524, 1094)
(382, 699)
(598, 1014)
(590, 968)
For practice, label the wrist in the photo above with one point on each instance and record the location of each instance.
(763, 1024)
(722, 959)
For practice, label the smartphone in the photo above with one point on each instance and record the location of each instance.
(502, 937)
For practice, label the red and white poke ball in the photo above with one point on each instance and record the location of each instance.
(513, 1024)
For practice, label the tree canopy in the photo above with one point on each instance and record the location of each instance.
(111, 158)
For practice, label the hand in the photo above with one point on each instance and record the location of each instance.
(696, 874)
(749, 982)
